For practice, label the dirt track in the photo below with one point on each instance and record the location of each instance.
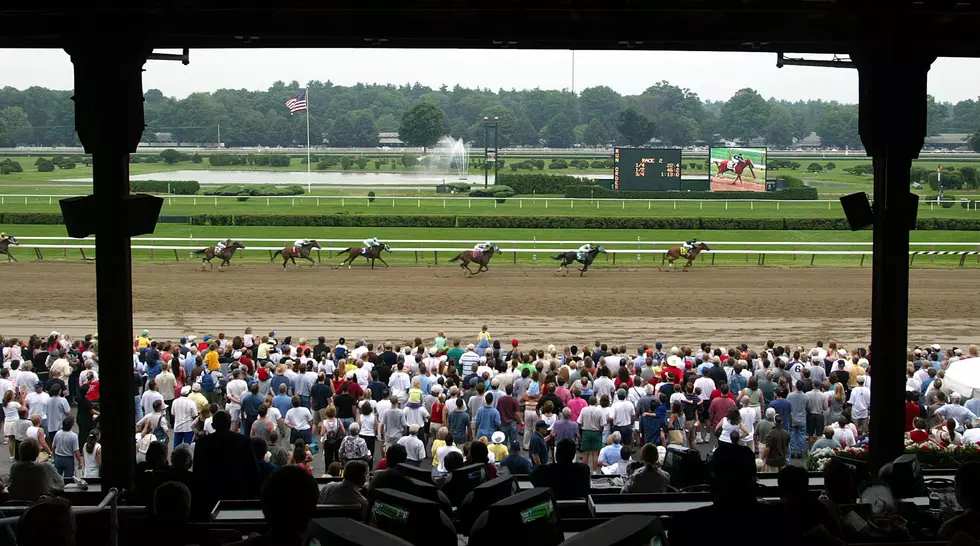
(621, 306)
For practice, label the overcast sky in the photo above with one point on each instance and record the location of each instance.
(629, 72)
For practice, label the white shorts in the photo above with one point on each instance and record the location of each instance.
(235, 411)
(9, 428)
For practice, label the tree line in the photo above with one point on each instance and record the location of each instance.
(354, 115)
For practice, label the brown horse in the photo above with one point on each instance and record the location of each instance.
(5, 247)
(725, 166)
(370, 253)
(674, 253)
(225, 254)
(467, 256)
(292, 252)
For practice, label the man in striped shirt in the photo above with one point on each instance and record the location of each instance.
(469, 361)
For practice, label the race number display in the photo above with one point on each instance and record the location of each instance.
(647, 169)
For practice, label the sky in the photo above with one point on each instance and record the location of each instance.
(628, 72)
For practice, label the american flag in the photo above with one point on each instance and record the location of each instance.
(297, 103)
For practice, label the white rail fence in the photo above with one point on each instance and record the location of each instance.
(534, 247)
(549, 202)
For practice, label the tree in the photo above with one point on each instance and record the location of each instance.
(595, 134)
(974, 141)
(342, 132)
(814, 167)
(838, 126)
(636, 128)
(969, 175)
(170, 156)
(524, 133)
(830, 166)
(44, 165)
(579, 132)
(16, 125)
(745, 115)
(599, 102)
(559, 133)
(779, 127)
(421, 125)
(365, 132)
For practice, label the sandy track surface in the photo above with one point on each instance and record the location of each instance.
(615, 305)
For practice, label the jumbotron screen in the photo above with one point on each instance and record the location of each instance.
(737, 169)
(647, 169)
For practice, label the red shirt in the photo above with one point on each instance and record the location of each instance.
(355, 390)
(93, 390)
(919, 436)
(911, 412)
(717, 393)
(719, 409)
(507, 406)
(620, 384)
(436, 413)
(674, 371)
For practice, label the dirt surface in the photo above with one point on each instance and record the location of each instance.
(614, 305)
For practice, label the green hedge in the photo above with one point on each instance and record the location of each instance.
(542, 183)
(43, 218)
(255, 190)
(804, 193)
(176, 187)
(330, 220)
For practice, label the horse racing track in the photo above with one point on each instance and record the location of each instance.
(722, 305)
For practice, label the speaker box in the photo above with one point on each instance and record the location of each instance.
(858, 210)
(138, 214)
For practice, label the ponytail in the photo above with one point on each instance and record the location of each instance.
(93, 438)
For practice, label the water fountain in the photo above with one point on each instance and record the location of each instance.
(450, 155)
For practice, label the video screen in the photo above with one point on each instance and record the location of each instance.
(537, 512)
(389, 512)
(647, 169)
(737, 169)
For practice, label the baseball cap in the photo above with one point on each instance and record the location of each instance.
(185, 390)
(936, 347)
(649, 351)
(513, 342)
(39, 385)
(144, 333)
(540, 424)
(236, 355)
(196, 387)
(660, 345)
(207, 338)
(498, 437)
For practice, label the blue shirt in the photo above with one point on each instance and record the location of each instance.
(538, 447)
(973, 405)
(283, 403)
(783, 408)
(516, 464)
(279, 380)
(611, 454)
(189, 363)
(251, 403)
(487, 421)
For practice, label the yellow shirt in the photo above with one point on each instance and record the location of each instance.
(500, 451)
(211, 360)
(143, 342)
(350, 368)
(857, 371)
(436, 444)
(415, 396)
(198, 399)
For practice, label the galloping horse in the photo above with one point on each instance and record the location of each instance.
(568, 258)
(5, 247)
(225, 255)
(467, 256)
(725, 166)
(292, 252)
(371, 253)
(674, 253)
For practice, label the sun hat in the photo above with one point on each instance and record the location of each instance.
(196, 387)
(498, 437)
(185, 390)
(144, 334)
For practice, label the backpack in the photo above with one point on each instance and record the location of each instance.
(332, 435)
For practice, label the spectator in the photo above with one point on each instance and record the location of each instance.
(801, 511)
(967, 488)
(392, 477)
(539, 447)
(441, 454)
(860, 403)
(48, 522)
(799, 404)
(826, 442)
(591, 419)
(300, 422)
(353, 446)
(568, 479)
(66, 452)
(288, 503)
(414, 448)
(228, 454)
(29, 479)
(515, 463)
(260, 448)
(349, 490)
(487, 418)
(649, 478)
(610, 455)
(57, 410)
(776, 454)
(459, 423)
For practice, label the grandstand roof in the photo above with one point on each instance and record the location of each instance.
(746, 25)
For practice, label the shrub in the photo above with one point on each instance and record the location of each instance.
(830, 166)
(862, 169)
(794, 165)
(151, 159)
(66, 164)
(377, 165)
(196, 158)
(133, 158)
(323, 220)
(279, 160)
(542, 183)
(176, 187)
(597, 164)
(362, 162)
(583, 165)
(500, 191)
(970, 179)
(371, 196)
(410, 160)
(170, 156)
(260, 160)
(44, 165)
(814, 167)
(951, 180)
(6, 169)
(14, 166)
(803, 193)
(345, 163)
(793, 182)
(459, 187)
(40, 218)
(255, 190)
(539, 164)
(558, 164)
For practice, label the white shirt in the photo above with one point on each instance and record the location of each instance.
(748, 420)
(416, 416)
(147, 400)
(26, 381)
(5, 386)
(441, 454)
(469, 361)
(184, 410)
(363, 375)
(367, 424)
(971, 436)
(860, 402)
(844, 435)
(603, 386)
(299, 418)
(207, 425)
(399, 382)
(62, 366)
(273, 414)
(921, 374)
(384, 406)
(414, 447)
(37, 404)
(236, 388)
(357, 353)
(707, 386)
(911, 384)
(622, 413)
(612, 363)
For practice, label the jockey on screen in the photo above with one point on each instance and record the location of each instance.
(220, 247)
(735, 160)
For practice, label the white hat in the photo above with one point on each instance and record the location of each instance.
(860, 379)
(917, 351)
(237, 355)
(196, 387)
(674, 350)
(842, 351)
(498, 437)
(957, 352)
(470, 347)
(936, 347)
(863, 362)
(191, 337)
(674, 360)
(185, 390)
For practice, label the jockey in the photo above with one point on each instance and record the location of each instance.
(689, 245)
(300, 243)
(585, 249)
(735, 160)
(372, 242)
(2, 235)
(482, 247)
(221, 245)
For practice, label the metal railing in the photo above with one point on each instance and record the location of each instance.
(110, 501)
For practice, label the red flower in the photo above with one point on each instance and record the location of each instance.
(924, 447)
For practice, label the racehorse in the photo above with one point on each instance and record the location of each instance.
(568, 258)
(674, 253)
(225, 255)
(724, 167)
(292, 252)
(371, 253)
(467, 256)
(5, 247)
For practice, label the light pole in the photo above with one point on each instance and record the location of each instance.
(486, 149)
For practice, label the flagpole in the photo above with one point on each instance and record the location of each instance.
(309, 185)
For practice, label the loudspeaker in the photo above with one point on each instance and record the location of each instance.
(138, 214)
(858, 211)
